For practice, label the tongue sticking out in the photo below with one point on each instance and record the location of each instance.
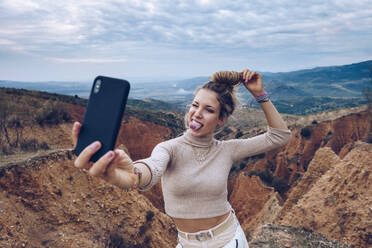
(195, 125)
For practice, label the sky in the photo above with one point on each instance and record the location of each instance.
(171, 39)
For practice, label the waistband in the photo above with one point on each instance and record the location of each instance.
(210, 233)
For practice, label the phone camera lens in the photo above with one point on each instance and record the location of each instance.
(97, 86)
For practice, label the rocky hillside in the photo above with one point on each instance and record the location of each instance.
(31, 118)
(334, 197)
(329, 173)
(280, 236)
(47, 202)
(291, 162)
(314, 191)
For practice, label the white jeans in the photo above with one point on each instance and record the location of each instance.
(233, 237)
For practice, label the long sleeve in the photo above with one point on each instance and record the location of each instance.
(242, 148)
(157, 163)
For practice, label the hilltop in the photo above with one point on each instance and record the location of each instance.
(301, 92)
(33, 122)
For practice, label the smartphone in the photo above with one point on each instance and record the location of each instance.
(103, 116)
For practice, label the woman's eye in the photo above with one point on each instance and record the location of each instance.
(210, 110)
(194, 105)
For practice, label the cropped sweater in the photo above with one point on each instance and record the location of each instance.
(194, 171)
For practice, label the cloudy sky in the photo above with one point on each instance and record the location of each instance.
(167, 39)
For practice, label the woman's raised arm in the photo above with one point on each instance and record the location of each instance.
(253, 83)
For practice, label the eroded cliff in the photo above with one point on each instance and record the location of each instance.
(337, 207)
(47, 202)
(338, 202)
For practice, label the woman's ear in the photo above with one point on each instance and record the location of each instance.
(221, 122)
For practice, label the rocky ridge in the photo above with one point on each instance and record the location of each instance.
(339, 209)
(338, 203)
(292, 161)
(332, 198)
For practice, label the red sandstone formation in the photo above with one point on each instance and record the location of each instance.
(140, 137)
(334, 197)
(255, 204)
(291, 162)
(48, 202)
(248, 198)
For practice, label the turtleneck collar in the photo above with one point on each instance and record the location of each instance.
(204, 141)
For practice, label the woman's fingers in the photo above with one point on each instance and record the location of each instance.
(123, 158)
(83, 159)
(99, 168)
(248, 75)
(245, 74)
(75, 132)
(252, 75)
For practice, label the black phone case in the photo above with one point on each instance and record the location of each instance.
(103, 115)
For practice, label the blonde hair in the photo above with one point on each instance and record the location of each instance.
(223, 83)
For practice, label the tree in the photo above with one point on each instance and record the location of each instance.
(16, 124)
(4, 116)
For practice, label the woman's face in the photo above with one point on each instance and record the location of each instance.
(204, 113)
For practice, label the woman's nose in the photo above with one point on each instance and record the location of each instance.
(198, 113)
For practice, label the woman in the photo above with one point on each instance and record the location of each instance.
(194, 167)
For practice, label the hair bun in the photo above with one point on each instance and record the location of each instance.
(227, 78)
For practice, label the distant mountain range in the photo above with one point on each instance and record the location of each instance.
(317, 89)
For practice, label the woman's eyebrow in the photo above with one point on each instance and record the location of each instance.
(207, 106)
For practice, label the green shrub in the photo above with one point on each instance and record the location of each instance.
(279, 184)
(29, 145)
(33, 145)
(259, 156)
(238, 134)
(142, 230)
(306, 132)
(368, 139)
(116, 241)
(44, 146)
(149, 215)
(147, 240)
(52, 113)
(265, 176)
(6, 150)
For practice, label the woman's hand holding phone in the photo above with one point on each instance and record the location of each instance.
(116, 167)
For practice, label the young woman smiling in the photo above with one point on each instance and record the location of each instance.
(194, 167)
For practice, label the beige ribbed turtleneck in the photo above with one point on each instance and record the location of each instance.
(194, 170)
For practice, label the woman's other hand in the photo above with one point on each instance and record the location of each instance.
(253, 82)
(116, 167)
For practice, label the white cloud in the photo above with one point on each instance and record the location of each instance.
(20, 6)
(136, 29)
(87, 60)
(218, 24)
(203, 2)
